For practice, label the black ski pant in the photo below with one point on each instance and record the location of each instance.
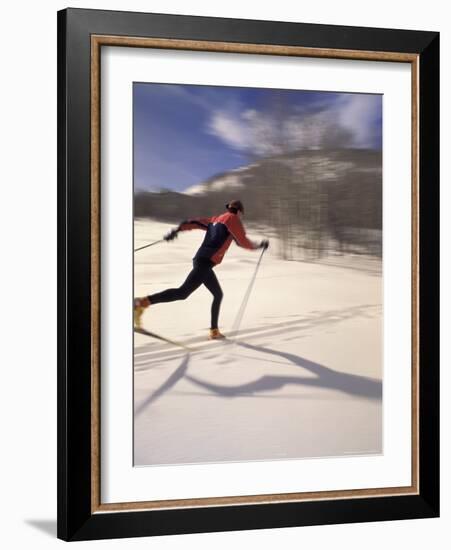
(201, 274)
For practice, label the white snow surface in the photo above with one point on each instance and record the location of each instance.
(303, 378)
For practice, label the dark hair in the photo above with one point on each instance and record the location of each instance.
(235, 206)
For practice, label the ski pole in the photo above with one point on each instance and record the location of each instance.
(239, 316)
(147, 245)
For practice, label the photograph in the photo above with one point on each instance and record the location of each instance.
(258, 274)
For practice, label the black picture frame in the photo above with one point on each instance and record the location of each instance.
(76, 518)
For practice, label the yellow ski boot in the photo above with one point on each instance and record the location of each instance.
(215, 334)
(139, 306)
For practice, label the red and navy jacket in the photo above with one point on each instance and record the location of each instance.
(220, 232)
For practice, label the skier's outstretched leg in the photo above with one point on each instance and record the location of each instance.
(202, 273)
(192, 283)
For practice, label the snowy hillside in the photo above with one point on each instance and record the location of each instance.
(312, 198)
(328, 166)
(232, 181)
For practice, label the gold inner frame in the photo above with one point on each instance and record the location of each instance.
(97, 41)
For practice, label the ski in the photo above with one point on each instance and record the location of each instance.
(162, 338)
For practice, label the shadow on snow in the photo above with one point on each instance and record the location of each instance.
(325, 378)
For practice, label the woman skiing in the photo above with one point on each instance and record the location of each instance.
(219, 233)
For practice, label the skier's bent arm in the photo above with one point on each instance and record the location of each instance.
(237, 231)
(194, 223)
(188, 225)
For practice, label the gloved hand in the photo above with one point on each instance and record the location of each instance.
(264, 244)
(171, 235)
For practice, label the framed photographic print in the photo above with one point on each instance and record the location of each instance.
(248, 274)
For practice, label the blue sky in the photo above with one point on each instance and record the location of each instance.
(184, 134)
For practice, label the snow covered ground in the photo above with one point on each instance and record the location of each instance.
(303, 379)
